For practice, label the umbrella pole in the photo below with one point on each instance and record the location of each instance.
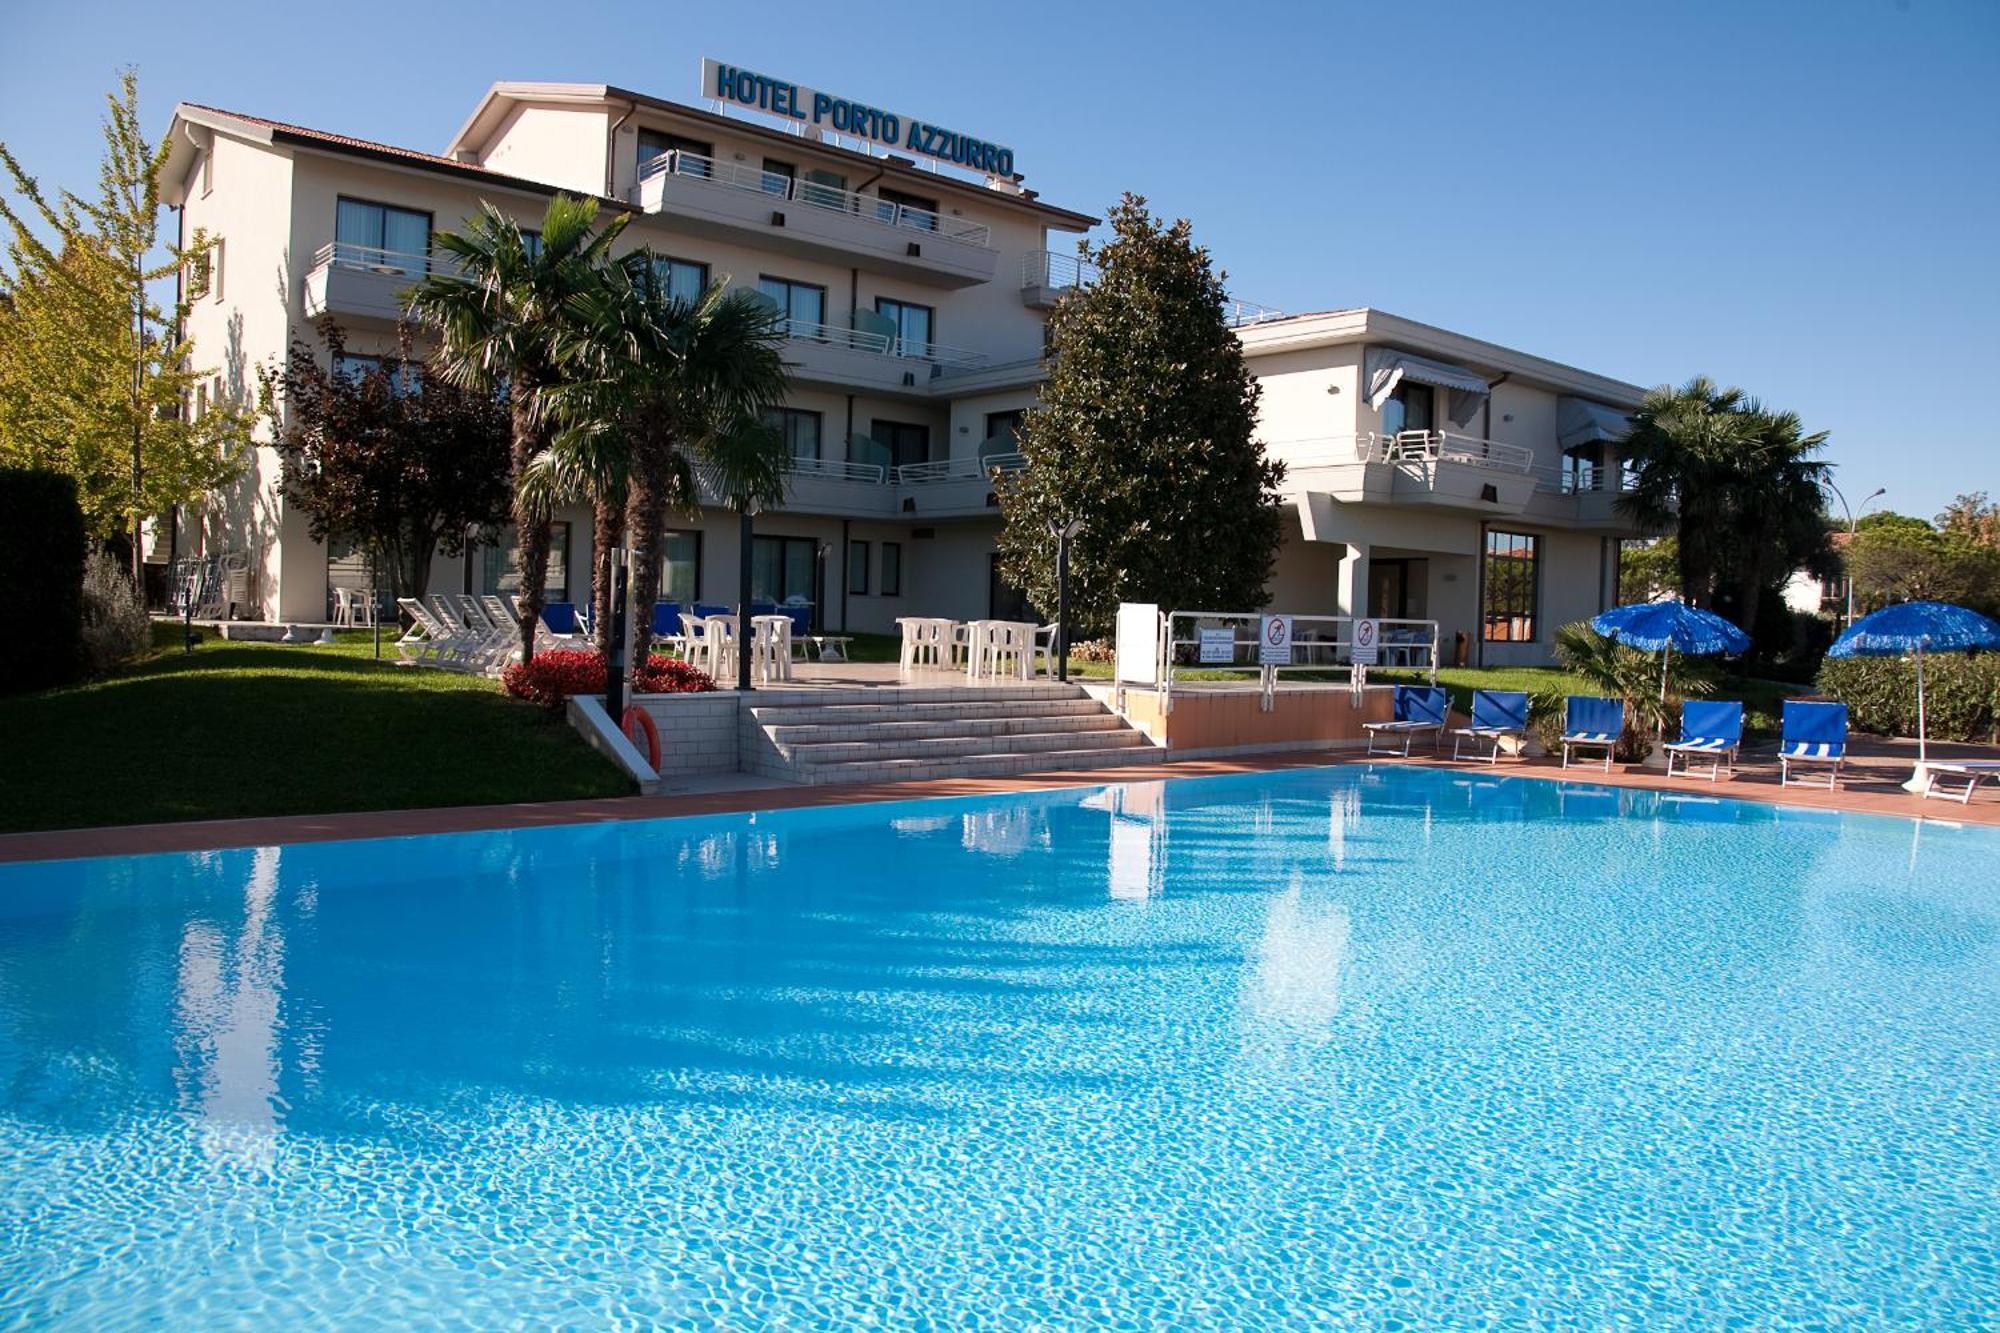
(1920, 776)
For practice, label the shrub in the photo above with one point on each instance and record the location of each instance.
(1961, 694)
(116, 628)
(552, 677)
(41, 548)
(1093, 650)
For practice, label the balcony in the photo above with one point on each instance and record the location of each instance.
(364, 282)
(878, 362)
(1587, 498)
(948, 488)
(727, 200)
(1435, 468)
(1047, 277)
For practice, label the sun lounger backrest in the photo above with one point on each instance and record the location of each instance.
(1593, 715)
(1712, 720)
(1815, 723)
(1505, 710)
(1420, 703)
(667, 618)
(560, 617)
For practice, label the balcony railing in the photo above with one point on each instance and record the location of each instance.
(868, 207)
(374, 259)
(1047, 270)
(956, 469)
(837, 469)
(1437, 446)
(882, 344)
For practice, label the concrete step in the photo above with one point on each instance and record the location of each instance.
(892, 725)
(919, 710)
(973, 766)
(829, 696)
(1115, 737)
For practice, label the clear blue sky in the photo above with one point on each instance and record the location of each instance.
(1801, 199)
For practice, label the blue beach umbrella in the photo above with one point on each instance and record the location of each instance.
(1916, 628)
(1661, 627)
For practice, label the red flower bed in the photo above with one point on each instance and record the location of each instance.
(557, 674)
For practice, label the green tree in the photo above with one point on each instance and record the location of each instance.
(499, 319)
(1898, 558)
(1648, 569)
(667, 397)
(94, 380)
(1146, 432)
(394, 458)
(1739, 486)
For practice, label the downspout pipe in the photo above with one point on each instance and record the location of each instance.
(611, 148)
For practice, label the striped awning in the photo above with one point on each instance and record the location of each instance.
(1386, 368)
(1579, 421)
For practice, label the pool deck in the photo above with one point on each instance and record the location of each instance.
(1870, 786)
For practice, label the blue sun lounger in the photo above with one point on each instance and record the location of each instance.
(1814, 733)
(1496, 715)
(1418, 710)
(1592, 723)
(1711, 727)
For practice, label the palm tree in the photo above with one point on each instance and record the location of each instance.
(499, 319)
(677, 391)
(1738, 483)
(587, 462)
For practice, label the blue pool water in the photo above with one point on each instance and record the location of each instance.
(1349, 1046)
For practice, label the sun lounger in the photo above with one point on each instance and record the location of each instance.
(1419, 709)
(1968, 771)
(1814, 733)
(1496, 716)
(1711, 727)
(1592, 723)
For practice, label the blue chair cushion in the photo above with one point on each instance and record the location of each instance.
(1499, 710)
(1814, 730)
(1592, 718)
(1706, 720)
(560, 617)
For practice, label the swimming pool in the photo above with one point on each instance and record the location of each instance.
(1333, 1045)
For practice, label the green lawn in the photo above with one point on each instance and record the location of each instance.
(240, 729)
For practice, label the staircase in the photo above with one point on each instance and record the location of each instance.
(895, 735)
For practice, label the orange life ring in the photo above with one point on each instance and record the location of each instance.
(634, 713)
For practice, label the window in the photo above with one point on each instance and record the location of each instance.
(902, 442)
(857, 567)
(1511, 560)
(207, 172)
(779, 176)
(892, 569)
(200, 275)
(895, 208)
(799, 427)
(214, 262)
(1003, 600)
(913, 325)
(1411, 407)
(680, 579)
(684, 279)
(823, 189)
(802, 305)
(380, 236)
(782, 568)
(657, 143)
(1005, 425)
(531, 241)
(354, 365)
(497, 570)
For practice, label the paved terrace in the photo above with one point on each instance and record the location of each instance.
(1870, 786)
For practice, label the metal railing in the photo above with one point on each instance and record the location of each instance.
(832, 198)
(883, 344)
(837, 469)
(1428, 447)
(1066, 272)
(956, 469)
(1319, 643)
(374, 259)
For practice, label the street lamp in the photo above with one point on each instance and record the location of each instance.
(1853, 519)
(747, 510)
(1064, 531)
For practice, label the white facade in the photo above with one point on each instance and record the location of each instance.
(917, 314)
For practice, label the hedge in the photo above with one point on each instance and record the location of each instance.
(1961, 694)
(42, 543)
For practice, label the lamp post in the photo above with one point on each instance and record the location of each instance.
(1853, 521)
(747, 511)
(614, 669)
(1064, 531)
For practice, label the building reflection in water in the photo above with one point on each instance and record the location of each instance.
(1136, 870)
(229, 990)
(1299, 961)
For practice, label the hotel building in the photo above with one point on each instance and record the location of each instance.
(915, 293)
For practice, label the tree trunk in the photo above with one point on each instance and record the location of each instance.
(607, 530)
(645, 523)
(532, 532)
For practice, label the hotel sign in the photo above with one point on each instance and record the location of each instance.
(823, 111)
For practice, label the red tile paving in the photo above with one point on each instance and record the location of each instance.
(1870, 786)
